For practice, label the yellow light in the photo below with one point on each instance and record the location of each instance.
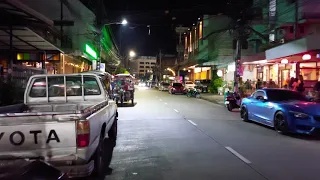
(19, 56)
(172, 71)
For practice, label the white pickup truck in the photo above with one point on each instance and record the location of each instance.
(66, 120)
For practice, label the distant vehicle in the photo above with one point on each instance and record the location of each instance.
(285, 110)
(176, 88)
(152, 84)
(124, 89)
(189, 85)
(164, 86)
(203, 85)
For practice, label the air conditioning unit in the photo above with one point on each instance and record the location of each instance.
(282, 41)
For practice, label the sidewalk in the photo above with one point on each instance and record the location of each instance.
(218, 99)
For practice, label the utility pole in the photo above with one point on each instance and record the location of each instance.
(99, 25)
(237, 64)
(296, 19)
(241, 36)
(160, 65)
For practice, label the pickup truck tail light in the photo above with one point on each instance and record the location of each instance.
(83, 133)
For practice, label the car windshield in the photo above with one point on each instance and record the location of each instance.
(189, 82)
(177, 84)
(285, 95)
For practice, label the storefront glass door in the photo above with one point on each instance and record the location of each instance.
(285, 74)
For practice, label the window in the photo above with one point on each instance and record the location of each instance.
(200, 30)
(153, 63)
(141, 71)
(141, 63)
(56, 86)
(257, 94)
(284, 95)
(54, 57)
(147, 63)
(38, 88)
(177, 84)
(147, 66)
(74, 87)
(309, 74)
(308, 65)
(141, 66)
(91, 86)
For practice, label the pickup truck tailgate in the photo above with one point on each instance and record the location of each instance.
(37, 139)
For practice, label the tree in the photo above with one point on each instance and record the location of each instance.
(121, 70)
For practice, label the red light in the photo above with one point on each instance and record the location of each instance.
(306, 57)
(83, 140)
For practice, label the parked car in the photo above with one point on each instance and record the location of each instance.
(66, 120)
(202, 85)
(176, 88)
(189, 85)
(285, 110)
(164, 86)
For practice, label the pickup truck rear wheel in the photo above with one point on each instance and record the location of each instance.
(113, 132)
(99, 163)
(102, 158)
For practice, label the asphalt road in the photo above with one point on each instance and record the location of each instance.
(172, 137)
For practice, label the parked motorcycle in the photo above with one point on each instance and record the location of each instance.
(232, 101)
(193, 92)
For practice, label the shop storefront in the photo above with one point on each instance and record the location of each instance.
(50, 60)
(202, 73)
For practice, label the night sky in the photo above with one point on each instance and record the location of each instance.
(162, 16)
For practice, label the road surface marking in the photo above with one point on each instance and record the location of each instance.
(166, 103)
(160, 99)
(238, 155)
(192, 122)
(176, 110)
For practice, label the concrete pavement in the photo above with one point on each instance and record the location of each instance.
(166, 137)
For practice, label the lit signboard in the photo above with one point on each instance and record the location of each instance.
(91, 52)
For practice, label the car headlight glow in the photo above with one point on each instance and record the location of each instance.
(299, 114)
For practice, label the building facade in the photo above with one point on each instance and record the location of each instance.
(46, 46)
(210, 44)
(292, 49)
(145, 65)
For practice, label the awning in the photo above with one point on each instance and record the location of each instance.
(30, 30)
(24, 38)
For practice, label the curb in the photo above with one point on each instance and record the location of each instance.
(211, 100)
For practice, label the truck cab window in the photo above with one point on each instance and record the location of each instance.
(38, 88)
(91, 86)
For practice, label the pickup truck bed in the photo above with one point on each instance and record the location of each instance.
(64, 130)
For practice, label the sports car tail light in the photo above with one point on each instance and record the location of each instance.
(83, 133)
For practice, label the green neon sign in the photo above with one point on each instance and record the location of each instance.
(91, 52)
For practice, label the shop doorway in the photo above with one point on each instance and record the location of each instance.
(285, 74)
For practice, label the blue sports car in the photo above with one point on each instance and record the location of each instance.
(285, 110)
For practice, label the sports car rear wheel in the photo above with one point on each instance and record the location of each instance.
(280, 123)
(244, 114)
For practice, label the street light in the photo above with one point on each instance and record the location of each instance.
(132, 54)
(123, 22)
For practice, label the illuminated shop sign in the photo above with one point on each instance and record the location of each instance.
(89, 50)
(27, 57)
